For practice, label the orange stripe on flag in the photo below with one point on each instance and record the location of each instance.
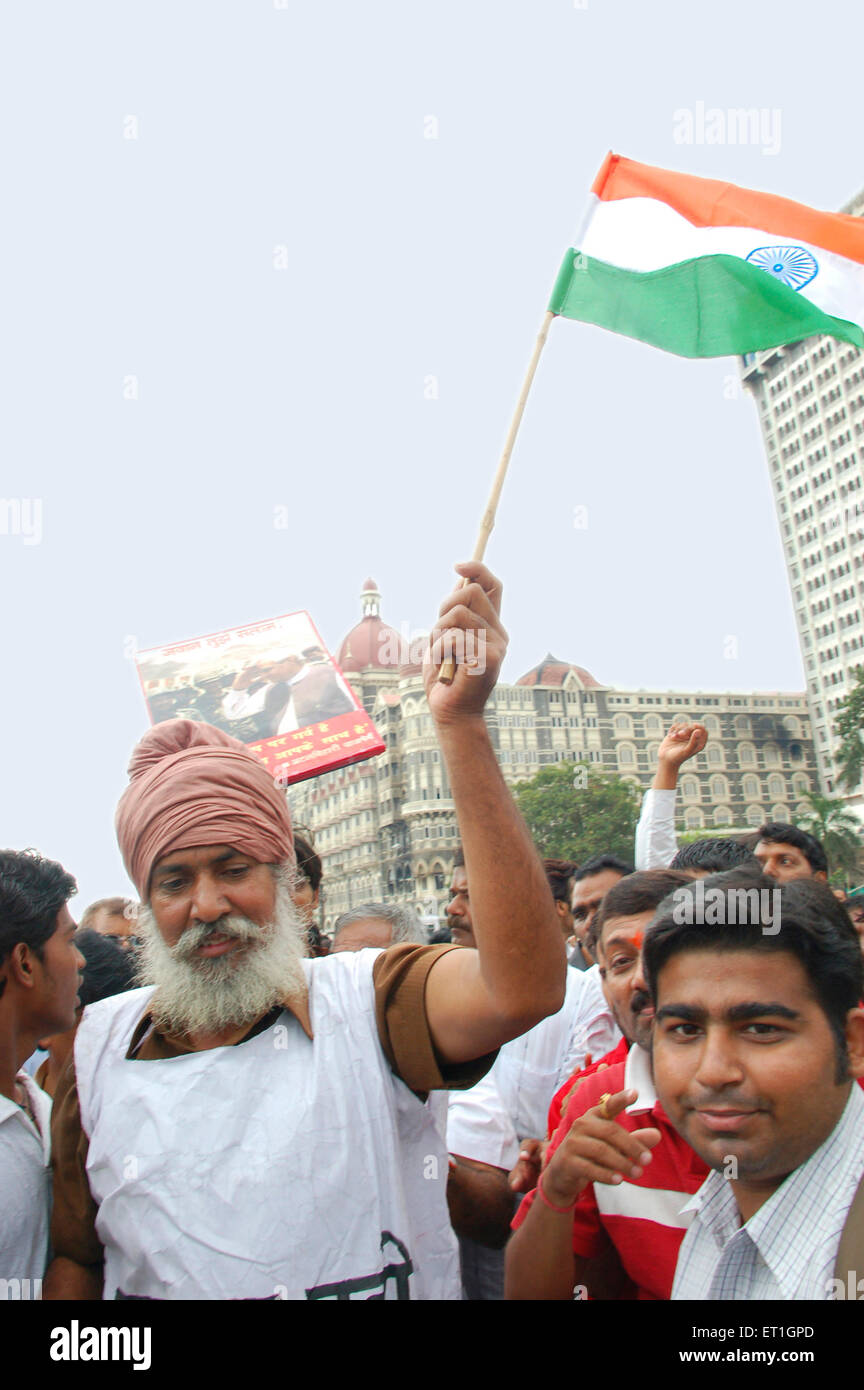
(711, 203)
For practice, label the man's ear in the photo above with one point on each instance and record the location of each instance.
(855, 1041)
(821, 875)
(21, 964)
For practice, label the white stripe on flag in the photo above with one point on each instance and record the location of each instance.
(643, 234)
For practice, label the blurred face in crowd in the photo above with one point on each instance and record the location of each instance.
(119, 926)
(565, 918)
(459, 911)
(745, 1063)
(372, 931)
(305, 898)
(587, 895)
(784, 862)
(222, 939)
(619, 956)
(855, 908)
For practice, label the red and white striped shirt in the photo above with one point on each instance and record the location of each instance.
(642, 1218)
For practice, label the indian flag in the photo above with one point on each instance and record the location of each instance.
(705, 269)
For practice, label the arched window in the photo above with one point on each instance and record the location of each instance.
(653, 724)
(746, 753)
(780, 813)
(719, 788)
(693, 818)
(792, 723)
(755, 817)
(623, 724)
(722, 816)
(652, 750)
(626, 755)
(751, 788)
(714, 754)
(712, 723)
(776, 786)
(743, 726)
(801, 784)
(690, 788)
(772, 755)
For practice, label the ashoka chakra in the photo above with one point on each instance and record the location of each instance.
(794, 265)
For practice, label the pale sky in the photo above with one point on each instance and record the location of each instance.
(280, 261)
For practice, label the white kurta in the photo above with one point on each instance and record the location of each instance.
(279, 1167)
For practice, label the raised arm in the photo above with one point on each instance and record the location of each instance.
(477, 1000)
(656, 845)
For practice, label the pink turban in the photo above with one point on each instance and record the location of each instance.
(191, 785)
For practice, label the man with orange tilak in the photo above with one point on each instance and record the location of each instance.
(613, 1230)
(248, 1124)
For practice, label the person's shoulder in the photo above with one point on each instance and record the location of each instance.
(342, 965)
(130, 1001)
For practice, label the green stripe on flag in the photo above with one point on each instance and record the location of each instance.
(712, 306)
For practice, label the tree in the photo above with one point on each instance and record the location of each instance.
(830, 821)
(849, 754)
(572, 812)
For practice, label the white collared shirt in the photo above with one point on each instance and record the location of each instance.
(25, 1184)
(788, 1248)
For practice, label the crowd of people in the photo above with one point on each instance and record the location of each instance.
(609, 1080)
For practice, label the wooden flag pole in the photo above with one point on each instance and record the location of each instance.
(447, 669)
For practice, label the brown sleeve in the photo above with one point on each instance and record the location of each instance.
(399, 975)
(73, 1219)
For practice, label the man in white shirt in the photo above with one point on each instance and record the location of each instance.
(39, 976)
(758, 1037)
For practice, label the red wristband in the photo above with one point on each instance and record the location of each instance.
(562, 1211)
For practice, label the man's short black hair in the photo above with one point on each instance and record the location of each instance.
(776, 833)
(108, 969)
(714, 855)
(308, 863)
(634, 894)
(559, 876)
(814, 928)
(599, 863)
(32, 892)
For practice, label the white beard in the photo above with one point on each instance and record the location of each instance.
(205, 995)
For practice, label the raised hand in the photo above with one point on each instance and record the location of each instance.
(468, 629)
(683, 741)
